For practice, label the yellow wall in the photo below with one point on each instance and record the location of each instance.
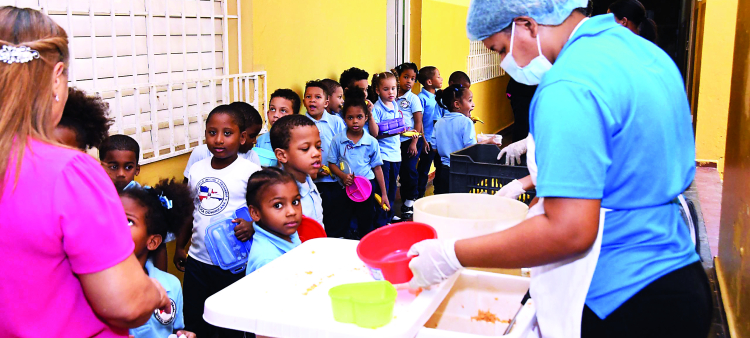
(298, 40)
(715, 80)
(444, 45)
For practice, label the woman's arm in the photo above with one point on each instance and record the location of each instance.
(123, 295)
(568, 227)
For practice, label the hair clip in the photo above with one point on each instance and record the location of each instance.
(23, 54)
(132, 185)
(165, 202)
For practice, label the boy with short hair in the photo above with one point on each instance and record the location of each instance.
(332, 195)
(253, 124)
(357, 78)
(335, 96)
(296, 142)
(119, 156)
(283, 102)
(431, 81)
(459, 77)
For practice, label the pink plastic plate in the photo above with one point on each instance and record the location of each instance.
(360, 190)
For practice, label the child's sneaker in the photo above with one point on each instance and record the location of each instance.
(407, 210)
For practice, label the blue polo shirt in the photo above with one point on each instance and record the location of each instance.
(312, 205)
(430, 114)
(455, 131)
(361, 156)
(337, 115)
(627, 142)
(328, 127)
(158, 325)
(264, 141)
(408, 104)
(390, 147)
(267, 247)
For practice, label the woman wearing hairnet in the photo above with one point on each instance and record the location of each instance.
(610, 148)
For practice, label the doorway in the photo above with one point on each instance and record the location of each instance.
(397, 32)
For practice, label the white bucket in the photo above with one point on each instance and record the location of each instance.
(459, 216)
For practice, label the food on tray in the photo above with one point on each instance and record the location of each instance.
(310, 289)
(308, 272)
(487, 316)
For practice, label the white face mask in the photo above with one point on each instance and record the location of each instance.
(531, 74)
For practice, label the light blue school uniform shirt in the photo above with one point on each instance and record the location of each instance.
(337, 115)
(264, 141)
(328, 127)
(430, 114)
(390, 147)
(267, 247)
(312, 205)
(408, 104)
(159, 326)
(628, 142)
(361, 156)
(456, 131)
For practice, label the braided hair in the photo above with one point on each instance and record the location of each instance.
(446, 98)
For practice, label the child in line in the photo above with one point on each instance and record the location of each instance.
(331, 194)
(220, 185)
(431, 81)
(456, 129)
(119, 155)
(283, 102)
(457, 78)
(411, 108)
(151, 213)
(296, 142)
(253, 122)
(362, 152)
(84, 123)
(390, 151)
(335, 97)
(356, 78)
(274, 202)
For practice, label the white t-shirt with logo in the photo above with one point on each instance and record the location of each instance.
(218, 193)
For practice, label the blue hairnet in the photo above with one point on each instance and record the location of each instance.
(487, 17)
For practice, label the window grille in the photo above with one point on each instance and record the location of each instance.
(162, 65)
(483, 64)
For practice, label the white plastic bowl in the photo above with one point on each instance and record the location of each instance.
(459, 216)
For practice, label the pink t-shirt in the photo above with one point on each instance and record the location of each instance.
(63, 219)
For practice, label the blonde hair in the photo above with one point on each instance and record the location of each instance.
(378, 78)
(26, 95)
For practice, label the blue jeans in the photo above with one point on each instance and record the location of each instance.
(408, 176)
(390, 173)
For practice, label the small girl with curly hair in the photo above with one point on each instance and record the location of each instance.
(151, 213)
(84, 122)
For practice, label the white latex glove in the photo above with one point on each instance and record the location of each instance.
(435, 261)
(513, 152)
(511, 190)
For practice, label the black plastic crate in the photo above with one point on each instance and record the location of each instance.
(475, 169)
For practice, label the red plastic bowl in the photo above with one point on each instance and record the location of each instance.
(309, 229)
(384, 250)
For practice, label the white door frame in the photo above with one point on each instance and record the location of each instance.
(397, 32)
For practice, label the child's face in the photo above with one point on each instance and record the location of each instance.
(316, 101)
(223, 136)
(279, 210)
(466, 103)
(136, 215)
(437, 80)
(252, 135)
(121, 166)
(406, 79)
(303, 156)
(336, 100)
(277, 108)
(362, 84)
(355, 119)
(387, 90)
(67, 137)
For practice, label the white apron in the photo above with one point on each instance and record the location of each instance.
(559, 289)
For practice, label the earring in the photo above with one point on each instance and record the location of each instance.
(57, 98)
